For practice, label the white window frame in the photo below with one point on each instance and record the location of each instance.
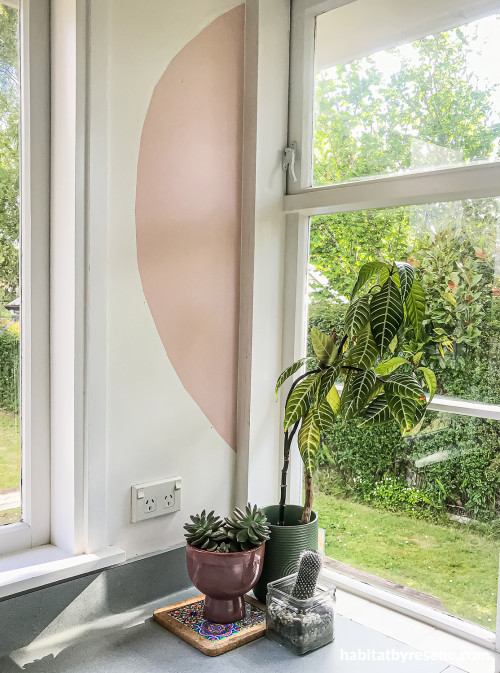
(34, 529)
(64, 166)
(303, 201)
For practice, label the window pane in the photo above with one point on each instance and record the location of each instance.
(421, 511)
(405, 90)
(10, 435)
(453, 248)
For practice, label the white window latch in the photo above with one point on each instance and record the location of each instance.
(288, 162)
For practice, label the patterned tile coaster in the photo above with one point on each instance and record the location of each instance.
(185, 620)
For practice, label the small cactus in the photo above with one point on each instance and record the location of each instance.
(305, 584)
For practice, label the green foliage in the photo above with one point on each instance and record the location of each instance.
(205, 531)
(246, 529)
(239, 532)
(393, 493)
(9, 155)
(373, 322)
(9, 369)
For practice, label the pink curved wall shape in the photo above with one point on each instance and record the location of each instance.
(188, 219)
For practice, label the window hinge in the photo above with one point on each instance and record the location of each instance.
(288, 162)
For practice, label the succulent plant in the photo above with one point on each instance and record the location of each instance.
(206, 531)
(247, 529)
(307, 577)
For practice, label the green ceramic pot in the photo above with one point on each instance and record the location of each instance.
(285, 546)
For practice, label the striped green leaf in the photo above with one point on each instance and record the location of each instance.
(324, 347)
(385, 368)
(406, 275)
(386, 315)
(358, 315)
(364, 353)
(354, 396)
(301, 399)
(377, 412)
(328, 377)
(403, 409)
(324, 417)
(404, 385)
(430, 379)
(415, 307)
(366, 272)
(377, 389)
(288, 372)
(308, 440)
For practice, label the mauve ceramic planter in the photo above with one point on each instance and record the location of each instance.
(224, 578)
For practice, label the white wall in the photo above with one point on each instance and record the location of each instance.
(154, 428)
(139, 416)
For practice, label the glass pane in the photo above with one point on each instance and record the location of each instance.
(404, 91)
(10, 434)
(453, 248)
(421, 511)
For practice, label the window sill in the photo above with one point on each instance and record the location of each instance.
(34, 568)
(442, 621)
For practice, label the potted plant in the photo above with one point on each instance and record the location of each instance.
(301, 610)
(386, 309)
(224, 559)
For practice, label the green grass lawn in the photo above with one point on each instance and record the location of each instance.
(451, 562)
(10, 516)
(10, 451)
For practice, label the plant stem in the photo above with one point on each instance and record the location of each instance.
(284, 472)
(287, 443)
(306, 513)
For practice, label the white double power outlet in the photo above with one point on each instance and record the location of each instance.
(156, 498)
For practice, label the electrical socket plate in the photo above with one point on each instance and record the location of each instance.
(156, 498)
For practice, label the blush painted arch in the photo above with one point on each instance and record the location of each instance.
(188, 214)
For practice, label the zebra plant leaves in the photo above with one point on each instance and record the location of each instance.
(356, 393)
(324, 347)
(358, 315)
(366, 272)
(364, 353)
(403, 409)
(406, 275)
(288, 372)
(368, 356)
(324, 417)
(415, 307)
(386, 315)
(404, 385)
(301, 400)
(327, 380)
(377, 412)
(308, 440)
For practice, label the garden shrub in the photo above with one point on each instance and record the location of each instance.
(9, 367)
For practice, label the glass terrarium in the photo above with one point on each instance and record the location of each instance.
(300, 625)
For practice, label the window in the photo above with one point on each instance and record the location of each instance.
(25, 137)
(10, 425)
(395, 122)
